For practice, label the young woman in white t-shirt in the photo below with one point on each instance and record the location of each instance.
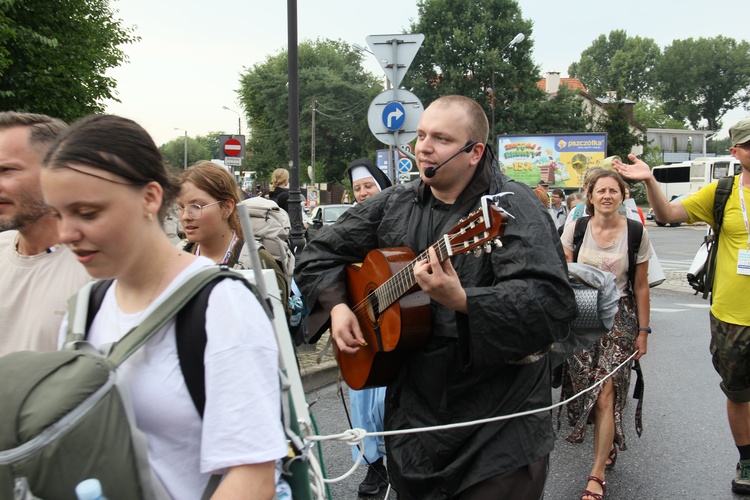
(106, 180)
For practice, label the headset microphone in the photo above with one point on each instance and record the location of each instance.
(429, 172)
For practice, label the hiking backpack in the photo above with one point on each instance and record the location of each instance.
(65, 417)
(702, 278)
(272, 229)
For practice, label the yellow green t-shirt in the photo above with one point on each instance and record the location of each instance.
(729, 287)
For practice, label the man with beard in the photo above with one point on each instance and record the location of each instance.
(38, 275)
(492, 317)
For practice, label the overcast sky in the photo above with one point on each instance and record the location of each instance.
(191, 53)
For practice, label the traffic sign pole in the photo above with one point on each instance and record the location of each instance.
(394, 114)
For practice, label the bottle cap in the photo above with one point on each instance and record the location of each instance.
(90, 489)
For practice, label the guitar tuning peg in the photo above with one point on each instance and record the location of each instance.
(498, 243)
(487, 247)
(478, 252)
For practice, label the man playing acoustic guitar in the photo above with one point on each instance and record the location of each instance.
(488, 319)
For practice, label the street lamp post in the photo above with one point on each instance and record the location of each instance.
(295, 196)
(184, 166)
(516, 40)
(239, 119)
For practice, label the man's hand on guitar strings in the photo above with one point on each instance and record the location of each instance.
(345, 329)
(440, 282)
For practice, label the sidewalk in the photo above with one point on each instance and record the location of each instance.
(316, 375)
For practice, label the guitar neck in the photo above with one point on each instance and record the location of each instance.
(478, 229)
(397, 285)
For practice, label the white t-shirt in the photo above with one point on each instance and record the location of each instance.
(242, 418)
(613, 258)
(35, 291)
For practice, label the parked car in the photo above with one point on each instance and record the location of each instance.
(324, 215)
(651, 216)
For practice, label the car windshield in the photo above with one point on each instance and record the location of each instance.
(333, 213)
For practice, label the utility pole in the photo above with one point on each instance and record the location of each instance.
(312, 143)
(184, 157)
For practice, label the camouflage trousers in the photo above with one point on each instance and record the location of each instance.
(730, 353)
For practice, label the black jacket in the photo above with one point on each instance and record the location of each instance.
(519, 302)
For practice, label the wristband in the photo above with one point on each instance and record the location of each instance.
(646, 329)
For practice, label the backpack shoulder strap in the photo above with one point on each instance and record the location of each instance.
(234, 258)
(82, 308)
(98, 291)
(139, 335)
(580, 231)
(635, 235)
(190, 327)
(723, 192)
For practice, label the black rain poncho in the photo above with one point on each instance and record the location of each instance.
(519, 303)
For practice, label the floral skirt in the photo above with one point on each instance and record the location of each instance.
(593, 364)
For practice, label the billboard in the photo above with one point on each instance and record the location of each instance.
(559, 159)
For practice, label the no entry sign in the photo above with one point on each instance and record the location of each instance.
(232, 147)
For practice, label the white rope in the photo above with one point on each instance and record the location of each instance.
(353, 437)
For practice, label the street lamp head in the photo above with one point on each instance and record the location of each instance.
(360, 48)
(518, 39)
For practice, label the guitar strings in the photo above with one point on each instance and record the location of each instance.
(395, 286)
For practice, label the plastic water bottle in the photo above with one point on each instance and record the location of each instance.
(90, 489)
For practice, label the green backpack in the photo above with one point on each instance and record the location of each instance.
(64, 418)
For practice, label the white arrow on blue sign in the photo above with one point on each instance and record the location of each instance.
(394, 115)
(404, 165)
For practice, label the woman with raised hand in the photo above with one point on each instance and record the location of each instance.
(106, 180)
(606, 245)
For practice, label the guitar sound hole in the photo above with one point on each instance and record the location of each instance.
(373, 307)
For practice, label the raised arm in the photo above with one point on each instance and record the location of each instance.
(640, 171)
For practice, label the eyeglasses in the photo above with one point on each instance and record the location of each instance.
(194, 210)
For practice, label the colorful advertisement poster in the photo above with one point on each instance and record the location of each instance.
(559, 159)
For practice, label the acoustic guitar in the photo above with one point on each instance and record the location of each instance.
(393, 313)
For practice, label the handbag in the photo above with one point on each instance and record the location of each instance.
(597, 298)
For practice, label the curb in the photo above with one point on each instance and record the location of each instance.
(319, 375)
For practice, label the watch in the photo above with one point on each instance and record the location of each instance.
(646, 329)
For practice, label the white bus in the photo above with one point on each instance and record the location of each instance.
(690, 176)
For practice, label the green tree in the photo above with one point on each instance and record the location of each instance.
(54, 55)
(331, 74)
(618, 63)
(211, 143)
(719, 147)
(562, 113)
(703, 79)
(465, 45)
(173, 152)
(620, 140)
(651, 114)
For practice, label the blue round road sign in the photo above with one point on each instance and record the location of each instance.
(404, 165)
(394, 115)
